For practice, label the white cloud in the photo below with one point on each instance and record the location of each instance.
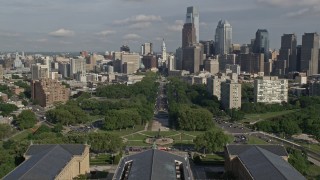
(41, 40)
(140, 25)
(105, 33)
(9, 34)
(290, 2)
(131, 37)
(138, 18)
(177, 26)
(298, 13)
(62, 33)
(203, 24)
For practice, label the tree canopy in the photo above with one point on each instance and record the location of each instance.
(212, 141)
(26, 119)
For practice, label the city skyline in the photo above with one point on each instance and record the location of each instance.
(99, 25)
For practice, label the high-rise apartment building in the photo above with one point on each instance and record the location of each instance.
(48, 91)
(231, 94)
(270, 90)
(146, 49)
(310, 53)
(41, 70)
(288, 51)
(214, 86)
(188, 35)
(223, 37)
(261, 43)
(192, 16)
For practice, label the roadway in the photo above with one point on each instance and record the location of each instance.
(238, 129)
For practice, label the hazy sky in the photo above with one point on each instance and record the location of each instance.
(101, 25)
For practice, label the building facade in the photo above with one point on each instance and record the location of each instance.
(192, 16)
(288, 51)
(192, 57)
(188, 35)
(223, 37)
(310, 53)
(231, 95)
(58, 162)
(261, 43)
(270, 90)
(48, 91)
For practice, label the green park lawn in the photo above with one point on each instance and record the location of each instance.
(313, 172)
(124, 132)
(255, 140)
(101, 159)
(249, 118)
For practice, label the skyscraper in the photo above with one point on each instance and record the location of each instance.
(192, 16)
(192, 56)
(288, 51)
(164, 51)
(261, 43)
(223, 37)
(310, 53)
(188, 35)
(146, 49)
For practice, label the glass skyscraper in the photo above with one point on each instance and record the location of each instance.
(223, 37)
(261, 43)
(192, 16)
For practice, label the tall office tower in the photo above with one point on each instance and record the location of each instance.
(270, 90)
(125, 48)
(223, 37)
(299, 58)
(251, 63)
(77, 65)
(188, 35)
(192, 57)
(310, 53)
(208, 47)
(17, 62)
(149, 61)
(146, 49)
(178, 57)
(231, 95)
(245, 49)
(288, 51)
(226, 59)
(133, 58)
(261, 43)
(171, 63)
(91, 62)
(192, 16)
(64, 69)
(164, 51)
